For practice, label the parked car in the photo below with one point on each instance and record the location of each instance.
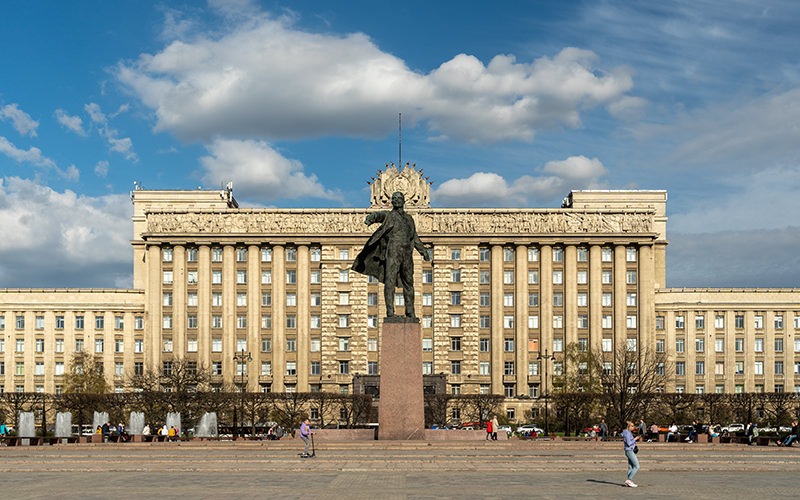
(529, 428)
(731, 428)
(785, 428)
(504, 428)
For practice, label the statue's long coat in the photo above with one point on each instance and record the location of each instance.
(372, 258)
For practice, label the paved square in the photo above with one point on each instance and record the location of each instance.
(367, 470)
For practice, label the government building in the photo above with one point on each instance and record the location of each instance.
(504, 286)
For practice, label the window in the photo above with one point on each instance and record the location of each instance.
(455, 298)
(291, 321)
(699, 344)
(483, 344)
(680, 345)
(508, 368)
(508, 345)
(605, 277)
(315, 321)
(607, 321)
(39, 323)
(700, 368)
(191, 277)
(778, 322)
(739, 344)
(679, 322)
(630, 277)
(216, 277)
(719, 321)
(241, 255)
(483, 368)
(583, 254)
(583, 277)
(191, 344)
(699, 321)
(344, 298)
(719, 368)
(508, 321)
(558, 254)
(533, 254)
(372, 344)
(39, 345)
(291, 368)
(455, 367)
(484, 254)
(266, 344)
(315, 277)
(631, 299)
(484, 299)
(759, 345)
(372, 321)
(291, 345)
(291, 277)
(344, 254)
(778, 345)
(344, 344)
(508, 277)
(758, 320)
(680, 368)
(266, 277)
(167, 277)
(20, 370)
(778, 368)
(484, 278)
(166, 254)
(630, 254)
(241, 322)
(98, 345)
(59, 368)
(583, 300)
(558, 345)
(344, 367)
(344, 276)
(455, 275)
(533, 321)
(344, 320)
(427, 276)
(20, 322)
(455, 254)
(583, 321)
(758, 368)
(427, 367)
(533, 277)
(739, 321)
(166, 299)
(216, 368)
(316, 254)
(138, 346)
(427, 299)
(558, 299)
(606, 255)
(427, 345)
(558, 368)
(241, 300)
(608, 345)
(508, 255)
(485, 321)
(119, 345)
(558, 277)
(719, 344)
(631, 345)
(216, 321)
(316, 299)
(166, 345)
(455, 321)
(78, 345)
(739, 368)
(455, 343)
(266, 368)
(631, 321)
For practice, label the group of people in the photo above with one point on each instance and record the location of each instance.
(119, 431)
(491, 429)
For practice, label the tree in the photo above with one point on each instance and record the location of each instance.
(355, 408)
(715, 406)
(324, 402)
(576, 390)
(289, 409)
(171, 387)
(255, 406)
(85, 375)
(676, 406)
(744, 406)
(780, 407)
(633, 377)
(16, 402)
(436, 409)
(479, 407)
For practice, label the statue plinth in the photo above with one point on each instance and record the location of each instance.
(401, 414)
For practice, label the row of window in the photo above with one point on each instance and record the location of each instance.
(719, 345)
(58, 368)
(719, 321)
(58, 345)
(484, 254)
(80, 321)
(739, 368)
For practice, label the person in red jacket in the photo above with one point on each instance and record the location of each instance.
(488, 430)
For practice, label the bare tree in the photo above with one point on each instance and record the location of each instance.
(676, 406)
(16, 402)
(480, 407)
(633, 377)
(436, 406)
(715, 407)
(744, 406)
(171, 387)
(290, 409)
(325, 403)
(779, 407)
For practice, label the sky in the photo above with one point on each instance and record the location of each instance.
(504, 104)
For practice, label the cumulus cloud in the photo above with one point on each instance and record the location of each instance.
(71, 123)
(259, 171)
(20, 120)
(101, 169)
(553, 181)
(264, 78)
(48, 236)
(31, 155)
(122, 145)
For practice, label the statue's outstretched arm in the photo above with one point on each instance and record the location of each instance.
(375, 217)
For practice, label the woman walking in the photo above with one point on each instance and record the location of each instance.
(630, 452)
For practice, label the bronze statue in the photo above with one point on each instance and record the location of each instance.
(387, 255)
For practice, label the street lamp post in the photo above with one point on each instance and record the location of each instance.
(240, 357)
(546, 394)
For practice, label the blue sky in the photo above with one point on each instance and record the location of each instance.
(504, 104)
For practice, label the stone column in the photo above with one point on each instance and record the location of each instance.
(620, 305)
(228, 313)
(730, 351)
(401, 413)
(645, 300)
(303, 317)
(179, 302)
(521, 318)
(278, 317)
(570, 295)
(691, 351)
(497, 319)
(253, 315)
(546, 307)
(595, 299)
(152, 344)
(204, 306)
(749, 352)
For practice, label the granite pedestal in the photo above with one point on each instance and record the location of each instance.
(401, 414)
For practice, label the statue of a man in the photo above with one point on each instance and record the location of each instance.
(387, 255)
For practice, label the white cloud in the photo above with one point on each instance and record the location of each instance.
(122, 145)
(32, 155)
(263, 78)
(48, 236)
(20, 120)
(259, 172)
(101, 169)
(554, 181)
(71, 123)
(72, 173)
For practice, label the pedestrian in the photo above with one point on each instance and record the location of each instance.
(791, 437)
(673, 431)
(642, 428)
(603, 429)
(3, 430)
(305, 432)
(489, 430)
(653, 436)
(494, 428)
(630, 451)
(751, 432)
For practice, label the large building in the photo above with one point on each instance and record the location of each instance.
(211, 279)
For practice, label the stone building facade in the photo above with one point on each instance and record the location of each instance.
(211, 279)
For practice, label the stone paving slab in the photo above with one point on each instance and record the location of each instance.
(395, 470)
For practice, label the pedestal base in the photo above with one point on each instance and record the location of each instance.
(401, 413)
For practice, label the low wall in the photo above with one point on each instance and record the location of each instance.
(343, 435)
